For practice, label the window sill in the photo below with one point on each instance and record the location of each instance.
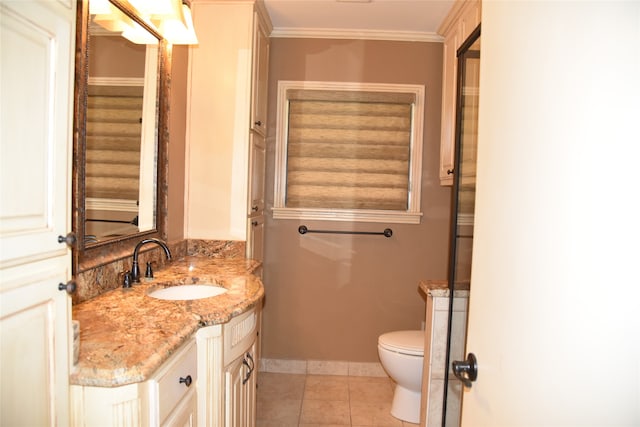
(396, 217)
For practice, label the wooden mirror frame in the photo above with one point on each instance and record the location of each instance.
(86, 258)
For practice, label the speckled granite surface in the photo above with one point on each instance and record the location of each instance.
(440, 288)
(103, 278)
(125, 335)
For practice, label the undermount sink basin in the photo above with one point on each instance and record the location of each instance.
(188, 292)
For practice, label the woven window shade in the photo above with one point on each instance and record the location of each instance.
(348, 150)
(113, 142)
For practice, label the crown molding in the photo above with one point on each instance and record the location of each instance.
(327, 33)
(459, 8)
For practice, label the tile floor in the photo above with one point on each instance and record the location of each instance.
(293, 400)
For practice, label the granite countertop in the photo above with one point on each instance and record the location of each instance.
(440, 288)
(125, 335)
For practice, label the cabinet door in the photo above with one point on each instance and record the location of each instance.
(184, 415)
(250, 392)
(447, 134)
(234, 374)
(255, 238)
(256, 174)
(36, 75)
(34, 353)
(260, 77)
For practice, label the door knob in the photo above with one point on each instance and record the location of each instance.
(466, 370)
(70, 287)
(69, 239)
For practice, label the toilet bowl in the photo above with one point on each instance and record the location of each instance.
(401, 354)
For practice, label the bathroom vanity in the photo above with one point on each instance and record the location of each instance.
(148, 361)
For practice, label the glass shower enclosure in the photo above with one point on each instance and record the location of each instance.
(461, 232)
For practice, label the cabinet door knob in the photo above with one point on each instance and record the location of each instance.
(69, 239)
(258, 123)
(254, 208)
(70, 287)
(186, 381)
(449, 171)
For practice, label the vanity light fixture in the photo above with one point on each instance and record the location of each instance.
(138, 35)
(172, 18)
(110, 18)
(179, 29)
(100, 7)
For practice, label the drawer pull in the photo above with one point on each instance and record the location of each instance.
(187, 381)
(250, 367)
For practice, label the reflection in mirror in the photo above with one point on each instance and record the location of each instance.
(120, 132)
(120, 172)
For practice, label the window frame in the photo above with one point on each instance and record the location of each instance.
(412, 215)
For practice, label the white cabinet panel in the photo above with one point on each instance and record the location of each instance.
(463, 18)
(36, 92)
(36, 66)
(34, 362)
(257, 156)
(255, 238)
(259, 76)
(227, 114)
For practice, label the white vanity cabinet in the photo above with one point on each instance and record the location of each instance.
(37, 41)
(240, 389)
(228, 358)
(463, 18)
(168, 398)
(226, 123)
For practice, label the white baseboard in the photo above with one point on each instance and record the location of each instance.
(322, 367)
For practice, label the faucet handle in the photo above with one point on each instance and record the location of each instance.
(126, 279)
(149, 271)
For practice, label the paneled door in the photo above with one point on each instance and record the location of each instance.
(37, 41)
(553, 316)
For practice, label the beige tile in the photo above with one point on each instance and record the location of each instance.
(366, 370)
(282, 411)
(323, 387)
(373, 414)
(370, 390)
(325, 412)
(280, 386)
(320, 425)
(268, 423)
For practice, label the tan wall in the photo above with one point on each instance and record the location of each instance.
(328, 297)
(118, 57)
(176, 155)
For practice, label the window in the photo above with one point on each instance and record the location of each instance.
(349, 152)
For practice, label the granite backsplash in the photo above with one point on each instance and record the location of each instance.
(101, 279)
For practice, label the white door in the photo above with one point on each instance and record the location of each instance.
(554, 315)
(36, 92)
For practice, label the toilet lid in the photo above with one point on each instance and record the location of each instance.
(406, 342)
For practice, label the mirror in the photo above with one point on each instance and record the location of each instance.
(120, 132)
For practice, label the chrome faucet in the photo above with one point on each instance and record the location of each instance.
(135, 269)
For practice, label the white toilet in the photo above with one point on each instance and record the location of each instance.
(401, 354)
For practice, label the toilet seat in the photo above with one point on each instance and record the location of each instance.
(405, 342)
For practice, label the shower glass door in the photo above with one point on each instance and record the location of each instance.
(463, 206)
